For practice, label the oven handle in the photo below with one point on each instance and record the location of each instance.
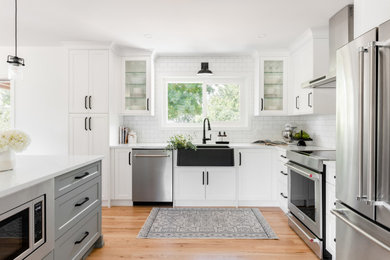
(311, 239)
(298, 169)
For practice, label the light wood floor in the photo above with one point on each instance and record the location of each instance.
(122, 224)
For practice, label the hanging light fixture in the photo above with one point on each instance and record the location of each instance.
(204, 70)
(15, 62)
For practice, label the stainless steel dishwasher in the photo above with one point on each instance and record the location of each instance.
(152, 175)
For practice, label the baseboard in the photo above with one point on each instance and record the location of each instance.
(203, 203)
(258, 203)
(128, 203)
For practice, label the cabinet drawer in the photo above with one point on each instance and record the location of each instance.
(73, 206)
(330, 197)
(77, 241)
(74, 179)
(331, 233)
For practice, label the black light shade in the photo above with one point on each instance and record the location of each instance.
(205, 69)
(15, 61)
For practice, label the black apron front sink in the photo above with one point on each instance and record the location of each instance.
(206, 156)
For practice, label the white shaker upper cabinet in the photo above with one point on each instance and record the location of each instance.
(273, 86)
(137, 91)
(88, 81)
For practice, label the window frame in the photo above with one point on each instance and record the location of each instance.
(12, 98)
(244, 106)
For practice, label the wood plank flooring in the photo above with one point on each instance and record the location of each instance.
(122, 224)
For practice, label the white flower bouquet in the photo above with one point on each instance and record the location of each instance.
(11, 141)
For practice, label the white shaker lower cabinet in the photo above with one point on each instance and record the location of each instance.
(281, 172)
(256, 185)
(330, 202)
(88, 135)
(122, 179)
(199, 186)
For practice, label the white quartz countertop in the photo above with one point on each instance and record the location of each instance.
(33, 169)
(232, 145)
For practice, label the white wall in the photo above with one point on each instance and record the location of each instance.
(369, 14)
(41, 103)
(149, 129)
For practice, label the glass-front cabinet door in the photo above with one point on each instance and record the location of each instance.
(137, 86)
(273, 86)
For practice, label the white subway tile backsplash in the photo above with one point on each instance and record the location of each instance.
(322, 128)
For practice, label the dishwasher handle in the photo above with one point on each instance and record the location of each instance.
(152, 155)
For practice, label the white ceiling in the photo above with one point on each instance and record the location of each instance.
(201, 26)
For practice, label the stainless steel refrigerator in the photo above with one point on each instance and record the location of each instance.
(363, 147)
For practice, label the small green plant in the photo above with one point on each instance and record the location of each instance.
(180, 142)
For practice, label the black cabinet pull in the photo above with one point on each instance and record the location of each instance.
(85, 124)
(239, 158)
(207, 178)
(262, 104)
(90, 128)
(147, 104)
(82, 239)
(81, 176)
(89, 101)
(85, 102)
(284, 157)
(281, 194)
(309, 99)
(285, 174)
(129, 158)
(296, 102)
(81, 203)
(202, 178)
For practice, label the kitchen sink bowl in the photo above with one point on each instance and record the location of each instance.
(206, 155)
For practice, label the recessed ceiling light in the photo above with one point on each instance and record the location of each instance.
(261, 35)
(147, 35)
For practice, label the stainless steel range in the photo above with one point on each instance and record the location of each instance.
(306, 196)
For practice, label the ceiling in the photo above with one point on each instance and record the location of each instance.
(167, 26)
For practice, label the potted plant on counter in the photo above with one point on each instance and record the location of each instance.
(11, 141)
(180, 142)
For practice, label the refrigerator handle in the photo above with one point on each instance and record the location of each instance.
(372, 54)
(362, 51)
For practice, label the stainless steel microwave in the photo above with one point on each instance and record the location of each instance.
(23, 229)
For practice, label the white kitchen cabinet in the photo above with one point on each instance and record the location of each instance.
(190, 183)
(137, 86)
(220, 183)
(309, 60)
(273, 86)
(122, 185)
(88, 135)
(88, 81)
(255, 178)
(330, 202)
(197, 186)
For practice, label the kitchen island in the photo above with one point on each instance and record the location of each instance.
(63, 197)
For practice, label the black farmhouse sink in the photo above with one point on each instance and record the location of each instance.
(206, 155)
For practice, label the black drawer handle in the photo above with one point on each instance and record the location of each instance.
(281, 194)
(239, 155)
(285, 174)
(81, 240)
(81, 203)
(283, 156)
(81, 176)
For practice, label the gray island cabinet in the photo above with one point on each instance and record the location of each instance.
(57, 200)
(78, 213)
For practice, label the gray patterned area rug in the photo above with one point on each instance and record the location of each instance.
(216, 223)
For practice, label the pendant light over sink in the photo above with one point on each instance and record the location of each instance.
(204, 70)
(15, 62)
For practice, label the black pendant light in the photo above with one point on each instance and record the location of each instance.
(204, 70)
(15, 60)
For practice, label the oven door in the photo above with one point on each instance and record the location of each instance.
(305, 196)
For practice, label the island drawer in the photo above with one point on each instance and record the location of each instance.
(79, 239)
(73, 206)
(74, 179)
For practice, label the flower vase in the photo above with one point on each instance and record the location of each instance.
(7, 160)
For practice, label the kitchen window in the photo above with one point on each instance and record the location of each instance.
(188, 101)
(5, 105)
